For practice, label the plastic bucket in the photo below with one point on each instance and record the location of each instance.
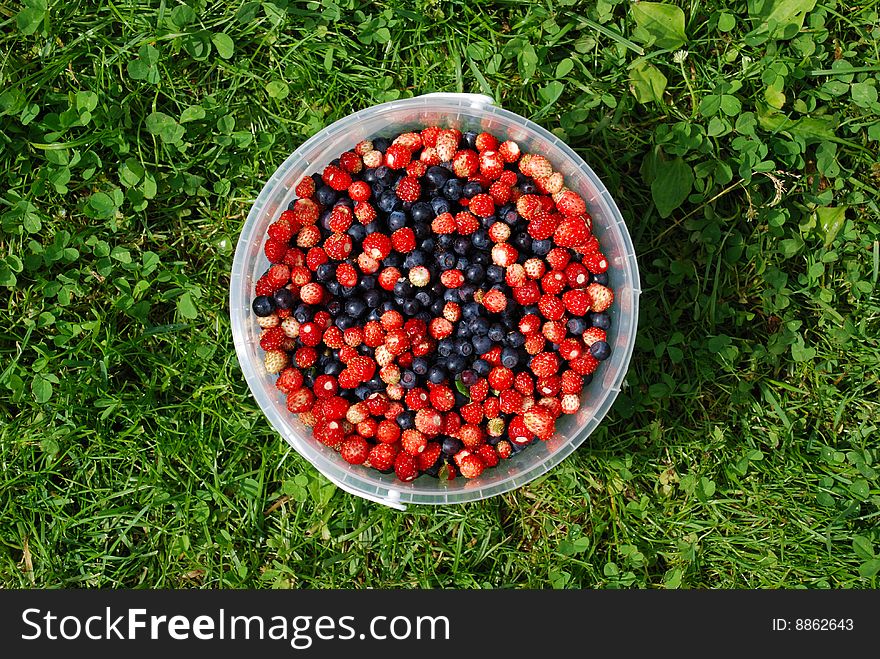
(465, 112)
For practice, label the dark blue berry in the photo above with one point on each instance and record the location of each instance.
(393, 260)
(474, 274)
(396, 220)
(444, 241)
(436, 375)
(482, 345)
(325, 195)
(601, 320)
(509, 358)
(424, 298)
(541, 247)
(440, 205)
(283, 298)
(470, 139)
(414, 258)
(263, 305)
(361, 392)
(381, 144)
(471, 188)
(446, 260)
(419, 365)
(355, 307)
(406, 420)
(422, 212)
(437, 175)
(523, 242)
(495, 274)
(452, 190)
(344, 322)
(388, 201)
(357, 231)
(348, 291)
(369, 175)
(528, 187)
(600, 350)
(470, 311)
(465, 348)
(469, 378)
(367, 283)
(576, 326)
(515, 339)
(421, 230)
(334, 367)
(445, 347)
(496, 333)
(461, 245)
(451, 446)
(372, 227)
(481, 367)
(302, 314)
(600, 278)
(456, 364)
(325, 272)
(410, 307)
(408, 379)
(480, 239)
(334, 307)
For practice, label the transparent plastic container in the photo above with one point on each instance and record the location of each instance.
(465, 112)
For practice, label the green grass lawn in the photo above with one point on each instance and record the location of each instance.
(741, 145)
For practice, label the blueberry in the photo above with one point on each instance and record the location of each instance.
(471, 188)
(451, 446)
(361, 392)
(528, 187)
(334, 367)
(369, 175)
(436, 375)
(374, 316)
(428, 245)
(481, 367)
(462, 263)
(372, 227)
(393, 260)
(302, 314)
(348, 291)
(470, 139)
(411, 307)
(461, 245)
(496, 333)
(451, 295)
(381, 144)
(600, 278)
(367, 283)
(344, 322)
(334, 307)
(422, 212)
(445, 347)
(422, 230)
(424, 298)
(541, 247)
(446, 260)
(469, 377)
(325, 195)
(523, 242)
(470, 311)
(601, 320)
(263, 305)
(324, 220)
(482, 345)
(377, 188)
(440, 205)
(436, 309)
(424, 316)
(283, 298)
(509, 358)
(479, 325)
(419, 365)
(480, 239)
(466, 293)
(576, 326)
(357, 231)
(325, 272)
(334, 287)
(452, 190)
(408, 379)
(355, 307)
(515, 339)
(444, 241)
(404, 289)
(388, 202)
(396, 220)
(462, 331)
(456, 364)
(600, 350)
(414, 258)
(388, 305)
(406, 420)
(344, 201)
(495, 274)
(437, 175)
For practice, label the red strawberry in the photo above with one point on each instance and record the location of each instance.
(602, 297)
(534, 344)
(452, 278)
(359, 191)
(500, 378)
(540, 421)
(355, 450)
(504, 254)
(479, 391)
(336, 177)
(416, 399)
(275, 361)
(570, 203)
(364, 212)
(273, 338)
(397, 341)
(351, 162)
(289, 380)
(570, 349)
(491, 164)
(388, 278)
(518, 432)
(429, 135)
(427, 458)
(353, 336)
(443, 223)
(466, 223)
(495, 301)
(446, 145)
(544, 364)
(471, 466)
(539, 167)
(338, 246)
(397, 156)
(542, 225)
(503, 449)
(509, 151)
(482, 205)
(377, 245)
(515, 275)
(510, 401)
(549, 386)
(558, 258)
(528, 205)
(452, 312)
(500, 192)
(553, 282)
(472, 413)
(413, 442)
(487, 454)
(577, 275)
(442, 398)
(584, 365)
(346, 275)
(403, 240)
(373, 158)
(534, 268)
(408, 189)
(571, 232)
(315, 258)
(300, 275)
(466, 163)
(300, 400)
(368, 264)
(429, 157)
(570, 403)
(310, 334)
(429, 422)
(499, 232)
(572, 383)
(554, 331)
(306, 357)
(440, 328)
(282, 230)
(471, 435)
(333, 407)
(451, 423)
(265, 286)
(551, 307)
(577, 302)
(382, 456)
(387, 432)
(596, 262)
(279, 275)
(306, 187)
(551, 184)
(391, 320)
(486, 141)
(275, 250)
(593, 334)
(329, 433)
(312, 293)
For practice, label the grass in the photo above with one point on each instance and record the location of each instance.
(742, 452)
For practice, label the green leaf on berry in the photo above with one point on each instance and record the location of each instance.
(462, 388)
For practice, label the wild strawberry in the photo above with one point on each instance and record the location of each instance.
(382, 456)
(388, 278)
(577, 275)
(500, 192)
(329, 433)
(527, 294)
(416, 399)
(593, 334)
(389, 373)
(482, 205)
(596, 262)
(487, 454)
(403, 240)
(413, 442)
(310, 334)
(362, 147)
(442, 398)
(577, 302)
(584, 365)
(554, 331)
(558, 258)
(471, 466)
(364, 212)
(504, 254)
(377, 245)
(429, 135)
(551, 307)
(272, 338)
(306, 187)
(279, 275)
(355, 449)
(534, 268)
(569, 203)
(397, 156)
(491, 164)
(275, 250)
(429, 422)
(322, 319)
(510, 401)
(336, 177)
(265, 286)
(315, 258)
(272, 320)
(427, 458)
(542, 225)
(440, 328)
(527, 205)
(446, 145)
(300, 400)
(306, 211)
(408, 189)
(499, 232)
(500, 378)
(289, 380)
(396, 341)
(338, 246)
(451, 423)
(305, 357)
(539, 421)
(452, 312)
(387, 432)
(534, 344)
(429, 157)
(312, 293)
(367, 264)
(570, 403)
(570, 349)
(275, 361)
(486, 141)
(553, 282)
(364, 367)
(452, 278)
(572, 383)
(539, 167)
(290, 327)
(357, 413)
(515, 275)
(549, 386)
(466, 223)
(495, 301)
(424, 347)
(465, 163)
(444, 223)
(601, 297)
(544, 364)
(472, 412)
(509, 151)
(346, 275)
(372, 159)
(332, 407)
(300, 275)
(347, 379)
(571, 232)
(281, 230)
(492, 407)
(493, 356)
(550, 184)
(358, 191)
(391, 320)
(479, 390)
(471, 435)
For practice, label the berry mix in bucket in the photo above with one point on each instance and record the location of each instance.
(434, 302)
